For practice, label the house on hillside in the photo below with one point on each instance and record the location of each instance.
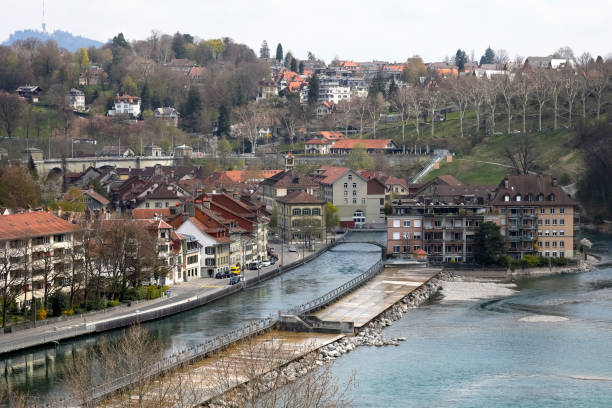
(75, 98)
(126, 105)
(168, 115)
(29, 92)
(301, 217)
(196, 74)
(324, 108)
(317, 146)
(386, 146)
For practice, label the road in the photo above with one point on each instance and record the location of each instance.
(86, 323)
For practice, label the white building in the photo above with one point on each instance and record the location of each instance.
(126, 105)
(335, 93)
(75, 98)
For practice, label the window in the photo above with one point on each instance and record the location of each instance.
(306, 211)
(396, 249)
(554, 221)
(417, 247)
(552, 210)
(517, 197)
(437, 223)
(345, 193)
(554, 244)
(547, 222)
(166, 204)
(146, 205)
(354, 192)
(354, 200)
(406, 235)
(406, 223)
(396, 223)
(562, 221)
(297, 211)
(192, 259)
(540, 244)
(539, 233)
(417, 223)
(396, 235)
(562, 232)
(417, 235)
(345, 200)
(507, 197)
(547, 233)
(562, 244)
(158, 205)
(562, 254)
(542, 210)
(547, 244)
(363, 201)
(554, 233)
(316, 211)
(209, 250)
(539, 222)
(547, 254)
(350, 176)
(58, 238)
(345, 185)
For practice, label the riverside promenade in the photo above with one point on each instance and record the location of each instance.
(184, 296)
(215, 374)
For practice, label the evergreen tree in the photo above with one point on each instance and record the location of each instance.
(32, 168)
(488, 244)
(377, 86)
(145, 97)
(313, 89)
(194, 102)
(488, 57)
(460, 59)
(293, 66)
(178, 45)
(264, 51)
(279, 52)
(301, 67)
(288, 59)
(392, 90)
(223, 127)
(119, 41)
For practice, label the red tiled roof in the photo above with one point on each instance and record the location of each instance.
(34, 224)
(331, 134)
(332, 173)
(318, 141)
(149, 213)
(366, 143)
(300, 197)
(98, 197)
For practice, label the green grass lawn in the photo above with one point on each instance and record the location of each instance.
(468, 172)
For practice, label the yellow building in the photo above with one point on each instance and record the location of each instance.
(301, 217)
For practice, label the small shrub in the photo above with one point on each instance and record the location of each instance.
(41, 314)
(59, 301)
(531, 261)
(112, 303)
(68, 312)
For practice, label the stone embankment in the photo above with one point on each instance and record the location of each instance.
(369, 335)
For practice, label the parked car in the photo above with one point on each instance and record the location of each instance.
(292, 249)
(253, 266)
(235, 279)
(222, 275)
(235, 270)
(273, 260)
(265, 262)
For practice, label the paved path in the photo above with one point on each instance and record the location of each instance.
(377, 295)
(86, 324)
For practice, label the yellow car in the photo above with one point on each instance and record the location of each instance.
(236, 270)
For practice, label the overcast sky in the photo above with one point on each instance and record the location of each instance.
(360, 30)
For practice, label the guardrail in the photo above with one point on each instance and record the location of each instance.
(221, 341)
(337, 293)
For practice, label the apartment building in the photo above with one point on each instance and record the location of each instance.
(360, 201)
(301, 217)
(33, 247)
(537, 215)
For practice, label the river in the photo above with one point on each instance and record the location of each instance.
(39, 372)
(498, 352)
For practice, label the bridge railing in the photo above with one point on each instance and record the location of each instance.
(337, 293)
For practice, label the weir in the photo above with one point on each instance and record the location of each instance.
(309, 327)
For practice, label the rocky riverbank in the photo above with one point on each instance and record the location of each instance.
(369, 335)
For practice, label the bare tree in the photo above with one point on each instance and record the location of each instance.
(13, 275)
(375, 105)
(491, 90)
(502, 57)
(507, 89)
(416, 107)
(433, 101)
(541, 92)
(401, 104)
(361, 105)
(555, 87)
(460, 98)
(10, 112)
(477, 98)
(571, 89)
(252, 117)
(522, 155)
(600, 79)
